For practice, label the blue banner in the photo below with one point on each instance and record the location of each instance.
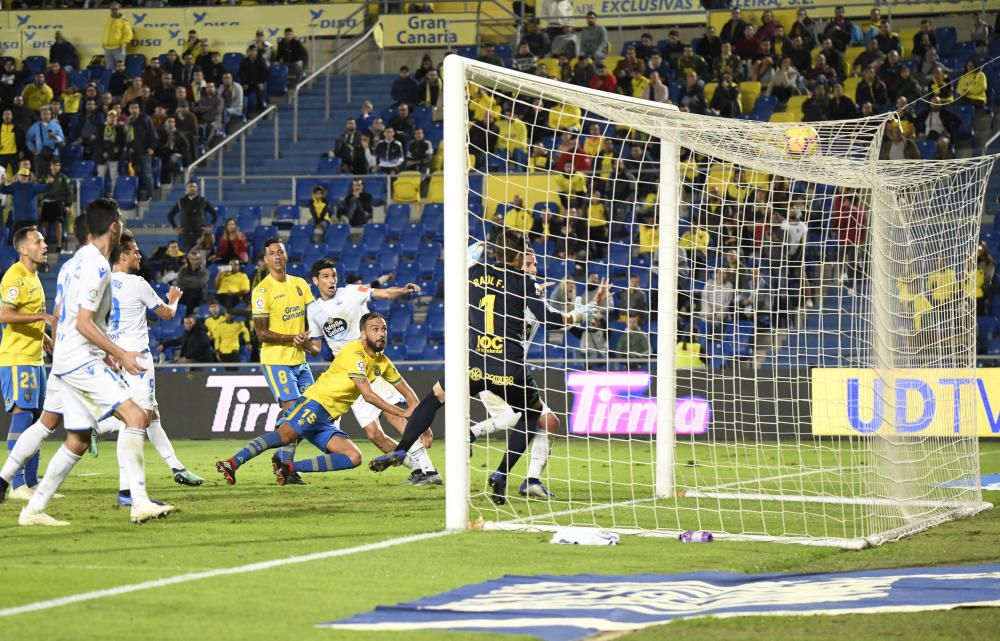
(566, 608)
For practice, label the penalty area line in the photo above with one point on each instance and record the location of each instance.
(211, 574)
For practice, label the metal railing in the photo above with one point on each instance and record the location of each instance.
(326, 70)
(240, 133)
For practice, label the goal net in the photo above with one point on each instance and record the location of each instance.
(787, 352)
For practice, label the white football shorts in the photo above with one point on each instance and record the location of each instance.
(496, 405)
(365, 412)
(91, 393)
(143, 386)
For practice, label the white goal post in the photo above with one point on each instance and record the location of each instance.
(806, 314)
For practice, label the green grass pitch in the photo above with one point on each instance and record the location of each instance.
(221, 527)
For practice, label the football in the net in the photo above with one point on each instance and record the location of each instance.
(801, 141)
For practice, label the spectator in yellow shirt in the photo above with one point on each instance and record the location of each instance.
(232, 285)
(481, 103)
(227, 337)
(512, 136)
(517, 217)
(565, 117)
(972, 86)
(117, 35)
(215, 317)
(696, 239)
(942, 284)
(37, 94)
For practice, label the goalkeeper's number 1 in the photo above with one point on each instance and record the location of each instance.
(486, 303)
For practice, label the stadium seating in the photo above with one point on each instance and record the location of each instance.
(126, 191)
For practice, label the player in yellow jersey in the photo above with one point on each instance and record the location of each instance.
(316, 417)
(22, 375)
(279, 316)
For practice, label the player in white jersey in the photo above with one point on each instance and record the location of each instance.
(90, 388)
(31, 439)
(132, 296)
(335, 317)
(503, 416)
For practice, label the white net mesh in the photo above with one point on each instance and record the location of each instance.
(825, 387)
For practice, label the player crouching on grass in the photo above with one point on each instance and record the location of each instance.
(316, 415)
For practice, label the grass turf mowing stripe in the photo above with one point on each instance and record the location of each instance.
(210, 574)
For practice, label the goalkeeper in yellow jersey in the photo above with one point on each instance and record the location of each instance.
(316, 416)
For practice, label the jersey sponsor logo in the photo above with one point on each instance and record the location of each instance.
(12, 294)
(292, 312)
(334, 326)
(361, 366)
(577, 607)
(92, 296)
(298, 290)
(475, 374)
(489, 344)
(101, 272)
(378, 371)
(258, 304)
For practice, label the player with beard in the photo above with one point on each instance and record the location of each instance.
(316, 416)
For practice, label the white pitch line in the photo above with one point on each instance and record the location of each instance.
(211, 574)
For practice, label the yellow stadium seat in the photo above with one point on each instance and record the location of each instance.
(612, 61)
(710, 91)
(906, 37)
(406, 189)
(784, 116)
(850, 56)
(851, 86)
(719, 177)
(749, 92)
(435, 191)
(795, 102)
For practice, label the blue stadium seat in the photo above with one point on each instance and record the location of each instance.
(928, 149)
(435, 133)
(135, 64)
(415, 345)
(79, 79)
(35, 64)
(350, 261)
(301, 231)
(337, 237)
(328, 166)
(126, 191)
(432, 221)
(427, 259)
(966, 114)
(763, 107)
(252, 214)
(373, 237)
(468, 51)
(277, 80)
(409, 246)
(262, 233)
(231, 63)
(435, 321)
(388, 259)
(376, 187)
(433, 352)
(423, 117)
(286, 216)
(296, 247)
(396, 218)
(8, 256)
(946, 39)
(407, 272)
(962, 51)
(396, 351)
(630, 43)
(213, 271)
(313, 252)
(81, 169)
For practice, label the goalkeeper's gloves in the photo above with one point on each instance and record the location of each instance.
(582, 314)
(475, 253)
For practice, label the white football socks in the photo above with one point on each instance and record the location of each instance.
(27, 444)
(506, 419)
(59, 466)
(420, 457)
(158, 437)
(539, 454)
(130, 443)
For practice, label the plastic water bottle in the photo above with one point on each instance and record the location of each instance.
(697, 536)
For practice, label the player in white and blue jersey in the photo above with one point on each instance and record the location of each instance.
(132, 296)
(29, 442)
(336, 318)
(90, 388)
